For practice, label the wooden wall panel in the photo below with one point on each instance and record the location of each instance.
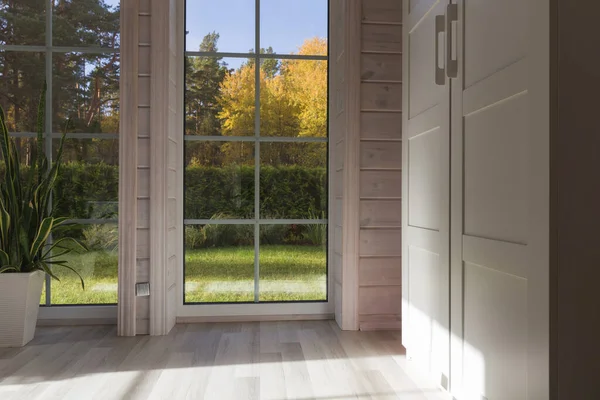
(381, 96)
(337, 134)
(380, 267)
(381, 67)
(380, 300)
(380, 11)
(128, 174)
(380, 242)
(381, 213)
(144, 163)
(380, 271)
(380, 155)
(344, 108)
(381, 126)
(381, 38)
(380, 184)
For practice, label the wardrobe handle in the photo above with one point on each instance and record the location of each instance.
(451, 63)
(440, 74)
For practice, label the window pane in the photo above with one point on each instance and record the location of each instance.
(88, 184)
(86, 92)
(98, 267)
(88, 24)
(293, 97)
(23, 22)
(27, 151)
(219, 98)
(213, 26)
(293, 262)
(219, 263)
(43, 296)
(219, 180)
(21, 84)
(293, 180)
(298, 20)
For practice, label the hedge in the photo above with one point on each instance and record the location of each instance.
(288, 192)
(285, 192)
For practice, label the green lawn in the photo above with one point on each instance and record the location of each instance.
(99, 272)
(212, 275)
(227, 274)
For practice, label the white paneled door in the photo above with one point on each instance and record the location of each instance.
(426, 190)
(489, 201)
(465, 192)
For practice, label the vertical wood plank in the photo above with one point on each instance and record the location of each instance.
(128, 173)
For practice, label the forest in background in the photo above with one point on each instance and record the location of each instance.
(219, 100)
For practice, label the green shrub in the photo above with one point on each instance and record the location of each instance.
(287, 192)
(220, 235)
(101, 237)
(91, 191)
(315, 234)
(195, 237)
(273, 234)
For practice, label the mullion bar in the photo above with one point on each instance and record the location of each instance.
(22, 134)
(58, 49)
(218, 54)
(48, 119)
(249, 221)
(93, 221)
(257, 151)
(86, 135)
(69, 135)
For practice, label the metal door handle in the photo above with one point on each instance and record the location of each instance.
(451, 63)
(440, 73)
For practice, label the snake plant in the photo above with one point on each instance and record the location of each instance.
(27, 218)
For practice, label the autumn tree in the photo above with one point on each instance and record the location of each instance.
(293, 103)
(308, 88)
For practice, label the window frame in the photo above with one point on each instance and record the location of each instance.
(257, 307)
(106, 310)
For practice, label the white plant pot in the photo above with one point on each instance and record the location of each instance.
(19, 306)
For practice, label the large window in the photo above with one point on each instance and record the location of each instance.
(256, 151)
(73, 46)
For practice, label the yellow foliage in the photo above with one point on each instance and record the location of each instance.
(293, 103)
(308, 88)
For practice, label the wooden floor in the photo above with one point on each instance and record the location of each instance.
(272, 360)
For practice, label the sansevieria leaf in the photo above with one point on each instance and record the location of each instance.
(27, 220)
(4, 259)
(42, 236)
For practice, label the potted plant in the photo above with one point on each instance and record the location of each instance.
(27, 221)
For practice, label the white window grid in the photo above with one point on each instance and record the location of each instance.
(257, 139)
(49, 50)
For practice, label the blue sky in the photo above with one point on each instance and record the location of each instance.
(285, 24)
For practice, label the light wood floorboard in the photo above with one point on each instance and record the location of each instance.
(265, 360)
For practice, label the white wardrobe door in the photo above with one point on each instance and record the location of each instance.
(489, 201)
(426, 192)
